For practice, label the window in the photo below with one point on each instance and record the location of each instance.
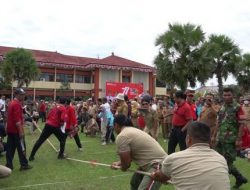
(64, 78)
(160, 84)
(83, 79)
(126, 79)
(46, 77)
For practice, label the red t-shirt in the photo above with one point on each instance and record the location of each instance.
(43, 107)
(193, 111)
(15, 115)
(57, 116)
(141, 122)
(182, 114)
(71, 121)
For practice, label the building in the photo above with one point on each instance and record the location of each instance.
(86, 77)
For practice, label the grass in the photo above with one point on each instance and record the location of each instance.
(52, 174)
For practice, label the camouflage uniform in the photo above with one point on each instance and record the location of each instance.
(228, 120)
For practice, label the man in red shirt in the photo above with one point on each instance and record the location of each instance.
(71, 125)
(57, 117)
(15, 131)
(42, 111)
(181, 119)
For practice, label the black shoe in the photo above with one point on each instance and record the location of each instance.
(62, 156)
(240, 182)
(31, 158)
(25, 167)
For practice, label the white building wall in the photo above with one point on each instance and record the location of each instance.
(107, 76)
(141, 77)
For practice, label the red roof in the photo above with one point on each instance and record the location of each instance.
(55, 59)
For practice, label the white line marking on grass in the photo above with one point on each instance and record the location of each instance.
(34, 185)
(114, 176)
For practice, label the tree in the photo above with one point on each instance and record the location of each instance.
(179, 60)
(19, 65)
(243, 76)
(224, 56)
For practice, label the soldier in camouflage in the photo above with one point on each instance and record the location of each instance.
(228, 133)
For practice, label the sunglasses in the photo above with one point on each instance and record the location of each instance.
(144, 104)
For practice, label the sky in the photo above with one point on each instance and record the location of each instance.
(129, 28)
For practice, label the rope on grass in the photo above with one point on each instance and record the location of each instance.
(94, 163)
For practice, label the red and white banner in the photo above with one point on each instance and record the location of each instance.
(130, 89)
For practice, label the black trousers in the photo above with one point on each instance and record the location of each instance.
(77, 139)
(177, 137)
(110, 134)
(15, 142)
(47, 131)
(42, 115)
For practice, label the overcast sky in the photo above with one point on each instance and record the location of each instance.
(95, 28)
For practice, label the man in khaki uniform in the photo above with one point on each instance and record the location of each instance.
(167, 113)
(137, 146)
(159, 110)
(122, 105)
(209, 112)
(4, 171)
(150, 117)
(198, 167)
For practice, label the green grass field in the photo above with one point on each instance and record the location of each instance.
(52, 174)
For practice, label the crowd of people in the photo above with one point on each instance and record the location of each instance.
(210, 134)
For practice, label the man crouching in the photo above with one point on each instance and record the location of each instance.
(136, 145)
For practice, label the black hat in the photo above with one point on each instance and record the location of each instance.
(19, 91)
(146, 98)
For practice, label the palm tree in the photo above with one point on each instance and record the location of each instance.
(224, 56)
(19, 65)
(179, 59)
(243, 76)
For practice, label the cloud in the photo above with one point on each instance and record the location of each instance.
(128, 28)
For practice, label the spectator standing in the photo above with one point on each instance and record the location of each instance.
(182, 117)
(15, 132)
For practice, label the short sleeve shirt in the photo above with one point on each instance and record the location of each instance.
(197, 167)
(182, 114)
(144, 149)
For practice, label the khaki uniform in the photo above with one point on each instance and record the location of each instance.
(150, 118)
(145, 152)
(134, 113)
(4, 171)
(167, 113)
(197, 168)
(209, 116)
(93, 111)
(122, 109)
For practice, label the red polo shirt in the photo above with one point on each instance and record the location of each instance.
(43, 107)
(193, 110)
(182, 114)
(15, 115)
(57, 116)
(71, 117)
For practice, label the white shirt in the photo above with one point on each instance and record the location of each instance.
(154, 107)
(2, 103)
(106, 106)
(197, 168)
